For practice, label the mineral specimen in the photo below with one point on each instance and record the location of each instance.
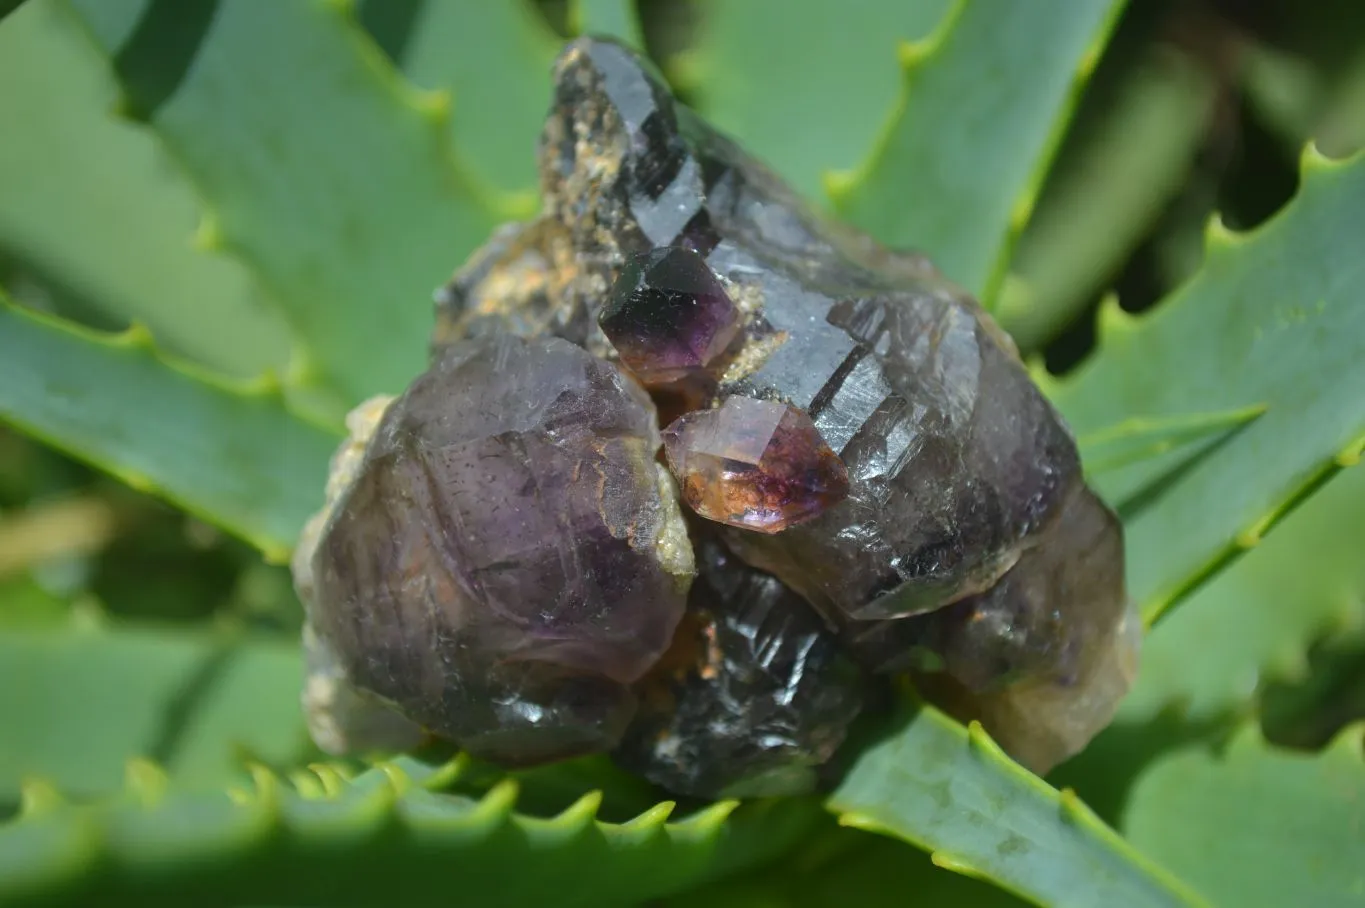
(756, 464)
(1044, 654)
(753, 697)
(668, 317)
(954, 458)
(509, 558)
(508, 561)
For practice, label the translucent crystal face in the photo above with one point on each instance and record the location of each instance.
(669, 318)
(499, 566)
(869, 454)
(754, 695)
(755, 464)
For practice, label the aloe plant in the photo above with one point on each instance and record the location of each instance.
(221, 225)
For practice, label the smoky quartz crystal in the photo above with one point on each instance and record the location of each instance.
(874, 479)
(754, 696)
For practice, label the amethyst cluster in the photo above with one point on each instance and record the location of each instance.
(689, 469)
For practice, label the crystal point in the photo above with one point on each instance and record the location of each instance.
(853, 399)
(756, 464)
(508, 558)
(669, 317)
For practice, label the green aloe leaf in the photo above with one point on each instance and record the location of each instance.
(329, 177)
(232, 454)
(1136, 440)
(847, 866)
(1271, 320)
(1107, 189)
(91, 209)
(807, 88)
(616, 18)
(494, 60)
(76, 703)
(382, 839)
(1259, 826)
(984, 103)
(1306, 581)
(954, 793)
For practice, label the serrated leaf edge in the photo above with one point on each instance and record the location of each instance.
(1116, 326)
(1070, 808)
(266, 802)
(432, 107)
(913, 56)
(138, 341)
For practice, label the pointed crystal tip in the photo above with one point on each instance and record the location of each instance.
(755, 464)
(668, 316)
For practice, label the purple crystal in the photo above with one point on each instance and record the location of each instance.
(756, 464)
(954, 457)
(669, 317)
(506, 564)
(960, 476)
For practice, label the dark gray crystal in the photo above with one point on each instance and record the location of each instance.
(509, 558)
(955, 458)
(753, 697)
(967, 545)
(1050, 632)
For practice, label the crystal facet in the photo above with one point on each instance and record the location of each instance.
(1050, 632)
(753, 697)
(755, 464)
(930, 501)
(954, 457)
(669, 318)
(509, 558)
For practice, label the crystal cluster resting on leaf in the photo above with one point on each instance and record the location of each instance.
(876, 485)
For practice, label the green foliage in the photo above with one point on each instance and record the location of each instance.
(846, 866)
(332, 180)
(953, 792)
(1256, 825)
(340, 159)
(93, 210)
(746, 79)
(958, 167)
(1148, 128)
(613, 18)
(196, 702)
(1271, 320)
(232, 454)
(1305, 582)
(494, 61)
(380, 839)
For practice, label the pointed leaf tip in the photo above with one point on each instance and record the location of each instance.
(208, 234)
(38, 797)
(838, 184)
(956, 865)
(711, 818)
(331, 780)
(398, 780)
(497, 803)
(1218, 236)
(146, 781)
(267, 788)
(1349, 456)
(581, 812)
(653, 818)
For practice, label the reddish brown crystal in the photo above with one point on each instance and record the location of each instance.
(756, 464)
